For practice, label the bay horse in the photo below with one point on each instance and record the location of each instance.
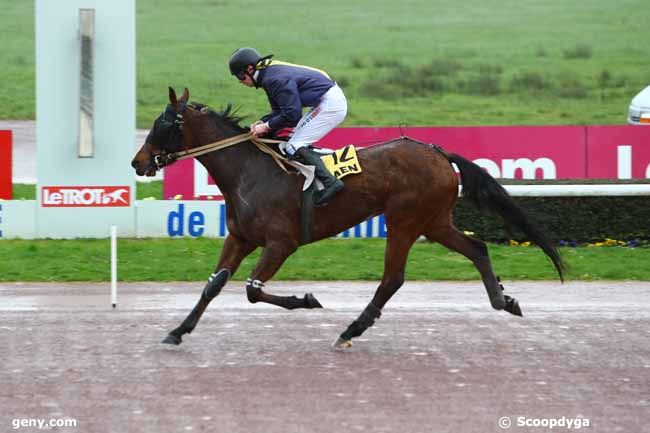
(412, 183)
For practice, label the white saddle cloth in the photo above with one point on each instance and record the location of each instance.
(308, 171)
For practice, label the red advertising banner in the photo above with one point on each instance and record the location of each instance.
(85, 196)
(5, 165)
(178, 180)
(618, 152)
(511, 152)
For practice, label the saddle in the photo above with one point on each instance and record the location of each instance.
(339, 163)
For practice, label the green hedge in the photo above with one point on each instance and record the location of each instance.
(582, 219)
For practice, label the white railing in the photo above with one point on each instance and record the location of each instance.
(577, 190)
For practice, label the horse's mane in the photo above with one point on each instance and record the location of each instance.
(227, 115)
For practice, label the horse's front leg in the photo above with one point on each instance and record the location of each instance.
(233, 252)
(273, 256)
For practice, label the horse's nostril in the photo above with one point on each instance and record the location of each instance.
(134, 164)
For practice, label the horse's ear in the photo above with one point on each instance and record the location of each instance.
(185, 96)
(172, 96)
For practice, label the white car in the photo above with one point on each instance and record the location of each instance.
(640, 108)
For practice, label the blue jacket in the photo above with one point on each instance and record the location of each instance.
(289, 88)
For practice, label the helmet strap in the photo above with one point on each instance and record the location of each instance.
(261, 64)
(253, 77)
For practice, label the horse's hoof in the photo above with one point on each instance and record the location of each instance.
(498, 303)
(512, 306)
(172, 339)
(311, 301)
(341, 344)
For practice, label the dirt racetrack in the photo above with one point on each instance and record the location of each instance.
(438, 360)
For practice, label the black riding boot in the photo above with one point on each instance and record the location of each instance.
(332, 184)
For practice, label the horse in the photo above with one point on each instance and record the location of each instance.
(413, 184)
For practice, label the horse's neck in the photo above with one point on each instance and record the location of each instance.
(234, 166)
(237, 165)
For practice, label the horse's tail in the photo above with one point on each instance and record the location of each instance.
(486, 193)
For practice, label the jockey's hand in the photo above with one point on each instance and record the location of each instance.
(259, 129)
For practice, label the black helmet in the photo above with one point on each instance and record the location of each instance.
(241, 58)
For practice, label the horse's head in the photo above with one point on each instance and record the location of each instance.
(167, 135)
(183, 126)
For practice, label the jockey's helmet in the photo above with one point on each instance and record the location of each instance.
(240, 59)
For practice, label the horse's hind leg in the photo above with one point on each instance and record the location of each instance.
(273, 256)
(477, 252)
(233, 252)
(397, 248)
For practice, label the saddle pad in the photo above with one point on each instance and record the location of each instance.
(343, 162)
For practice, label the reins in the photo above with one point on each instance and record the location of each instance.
(162, 160)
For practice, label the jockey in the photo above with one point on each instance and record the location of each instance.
(289, 89)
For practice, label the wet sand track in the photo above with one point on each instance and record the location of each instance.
(438, 360)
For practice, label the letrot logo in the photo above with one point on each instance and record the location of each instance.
(86, 196)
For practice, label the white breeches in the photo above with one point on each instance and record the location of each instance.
(318, 121)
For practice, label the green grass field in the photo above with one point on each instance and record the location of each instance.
(418, 62)
(194, 260)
